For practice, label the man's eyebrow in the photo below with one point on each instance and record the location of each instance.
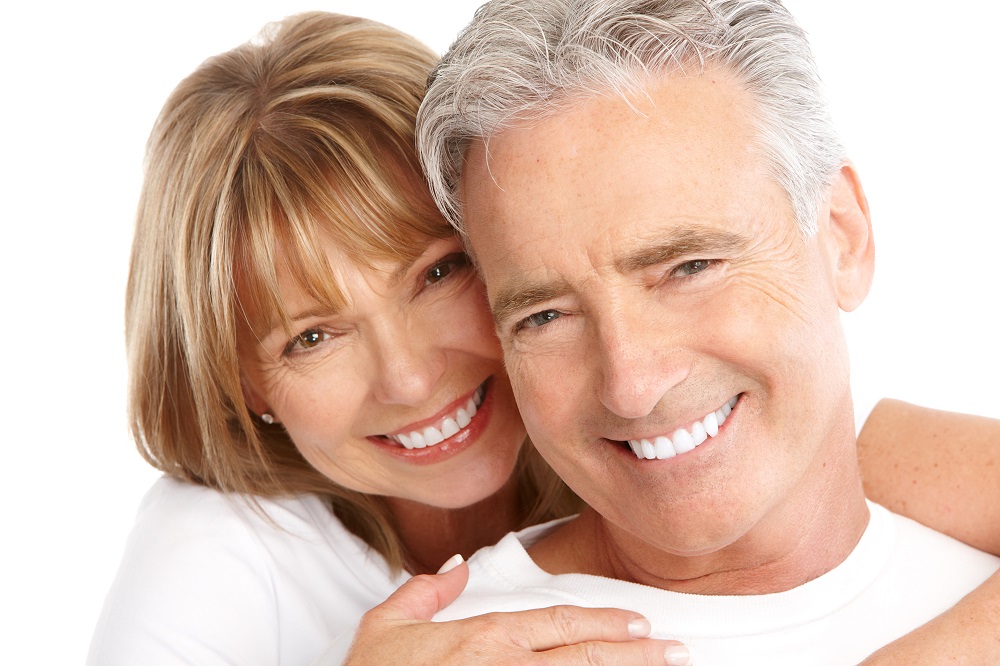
(524, 295)
(681, 242)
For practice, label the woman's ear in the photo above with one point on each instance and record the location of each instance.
(852, 247)
(255, 402)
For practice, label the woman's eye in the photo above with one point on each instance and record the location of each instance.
(539, 319)
(692, 267)
(445, 267)
(307, 340)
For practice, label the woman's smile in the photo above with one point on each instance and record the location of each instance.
(447, 436)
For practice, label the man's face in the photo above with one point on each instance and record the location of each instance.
(644, 270)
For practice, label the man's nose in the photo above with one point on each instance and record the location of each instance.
(639, 363)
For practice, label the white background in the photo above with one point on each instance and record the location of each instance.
(912, 90)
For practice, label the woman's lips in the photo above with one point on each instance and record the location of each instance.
(444, 427)
(450, 446)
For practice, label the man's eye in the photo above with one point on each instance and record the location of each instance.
(445, 267)
(307, 340)
(539, 319)
(692, 267)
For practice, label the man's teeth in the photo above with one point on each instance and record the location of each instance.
(683, 440)
(447, 427)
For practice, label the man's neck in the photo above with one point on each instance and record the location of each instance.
(805, 537)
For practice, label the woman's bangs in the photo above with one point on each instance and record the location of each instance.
(375, 200)
(374, 211)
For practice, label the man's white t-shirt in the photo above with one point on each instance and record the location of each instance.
(207, 580)
(900, 575)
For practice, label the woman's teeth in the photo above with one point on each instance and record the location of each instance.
(443, 429)
(683, 440)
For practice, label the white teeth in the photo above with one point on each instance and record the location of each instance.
(711, 425)
(698, 432)
(664, 448)
(683, 441)
(433, 436)
(647, 450)
(448, 427)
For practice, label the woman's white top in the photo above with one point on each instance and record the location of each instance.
(206, 579)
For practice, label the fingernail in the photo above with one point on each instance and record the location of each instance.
(677, 655)
(452, 562)
(639, 627)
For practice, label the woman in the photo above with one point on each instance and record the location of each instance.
(313, 367)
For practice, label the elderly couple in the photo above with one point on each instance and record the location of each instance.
(667, 228)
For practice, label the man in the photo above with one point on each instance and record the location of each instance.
(668, 228)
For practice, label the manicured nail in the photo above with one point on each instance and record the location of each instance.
(677, 655)
(639, 627)
(452, 562)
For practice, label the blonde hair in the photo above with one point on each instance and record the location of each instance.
(306, 132)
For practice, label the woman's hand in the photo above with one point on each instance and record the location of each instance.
(400, 631)
(968, 634)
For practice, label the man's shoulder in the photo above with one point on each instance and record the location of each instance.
(503, 577)
(939, 562)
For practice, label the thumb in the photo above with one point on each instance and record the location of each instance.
(422, 596)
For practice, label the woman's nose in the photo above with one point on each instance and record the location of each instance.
(409, 364)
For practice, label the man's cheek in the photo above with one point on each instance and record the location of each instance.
(536, 390)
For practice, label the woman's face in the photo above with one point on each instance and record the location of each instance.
(402, 392)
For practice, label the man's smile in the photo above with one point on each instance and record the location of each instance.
(683, 439)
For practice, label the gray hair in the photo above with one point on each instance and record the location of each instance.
(523, 60)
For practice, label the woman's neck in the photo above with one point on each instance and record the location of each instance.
(431, 535)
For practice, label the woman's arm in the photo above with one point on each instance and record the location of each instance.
(943, 470)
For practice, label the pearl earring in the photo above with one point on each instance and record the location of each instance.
(267, 418)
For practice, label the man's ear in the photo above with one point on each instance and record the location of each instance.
(851, 247)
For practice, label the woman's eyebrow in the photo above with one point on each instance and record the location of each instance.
(275, 325)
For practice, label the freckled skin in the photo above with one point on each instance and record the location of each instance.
(937, 467)
(777, 499)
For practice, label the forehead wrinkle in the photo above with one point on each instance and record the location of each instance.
(523, 295)
(685, 241)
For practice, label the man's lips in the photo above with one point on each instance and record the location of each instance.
(443, 427)
(682, 440)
